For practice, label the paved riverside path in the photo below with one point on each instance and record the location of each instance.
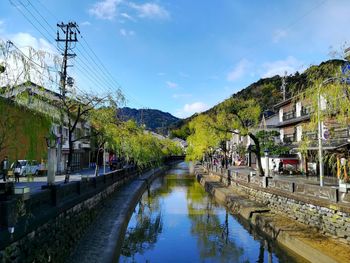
(314, 180)
(99, 243)
(35, 185)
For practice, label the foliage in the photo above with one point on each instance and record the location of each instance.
(202, 139)
(266, 91)
(154, 120)
(267, 142)
(182, 132)
(22, 131)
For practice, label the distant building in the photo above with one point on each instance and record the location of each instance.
(181, 142)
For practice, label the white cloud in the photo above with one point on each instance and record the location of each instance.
(150, 10)
(40, 56)
(109, 9)
(85, 23)
(238, 71)
(278, 67)
(27, 40)
(172, 85)
(190, 109)
(278, 35)
(126, 33)
(106, 9)
(161, 74)
(181, 95)
(127, 16)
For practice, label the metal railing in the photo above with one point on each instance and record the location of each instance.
(288, 115)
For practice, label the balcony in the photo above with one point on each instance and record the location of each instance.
(289, 138)
(336, 138)
(288, 115)
(305, 111)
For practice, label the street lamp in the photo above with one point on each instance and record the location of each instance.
(51, 142)
(266, 152)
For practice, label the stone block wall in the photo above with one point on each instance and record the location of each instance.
(311, 205)
(329, 220)
(55, 239)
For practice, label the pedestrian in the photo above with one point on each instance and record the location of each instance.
(17, 170)
(280, 167)
(274, 166)
(4, 167)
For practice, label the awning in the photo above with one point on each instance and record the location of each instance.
(290, 161)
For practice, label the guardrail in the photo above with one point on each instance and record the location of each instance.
(25, 214)
(329, 193)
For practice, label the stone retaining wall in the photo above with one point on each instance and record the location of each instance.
(308, 204)
(53, 220)
(53, 240)
(328, 220)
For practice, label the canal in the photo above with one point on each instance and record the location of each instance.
(177, 221)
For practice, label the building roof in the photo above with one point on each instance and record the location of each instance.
(283, 103)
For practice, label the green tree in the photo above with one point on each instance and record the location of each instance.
(242, 117)
(202, 139)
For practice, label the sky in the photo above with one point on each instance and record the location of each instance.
(182, 56)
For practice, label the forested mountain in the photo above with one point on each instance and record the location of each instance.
(154, 120)
(267, 91)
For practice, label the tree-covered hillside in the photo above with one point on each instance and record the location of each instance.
(154, 120)
(267, 91)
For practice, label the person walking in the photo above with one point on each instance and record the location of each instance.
(274, 166)
(4, 166)
(17, 170)
(280, 167)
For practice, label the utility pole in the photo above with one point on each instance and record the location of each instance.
(283, 87)
(69, 31)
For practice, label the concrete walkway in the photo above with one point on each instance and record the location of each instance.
(35, 183)
(102, 241)
(314, 180)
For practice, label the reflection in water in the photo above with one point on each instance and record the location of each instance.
(177, 221)
(212, 235)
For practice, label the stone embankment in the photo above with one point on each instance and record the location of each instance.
(273, 214)
(50, 223)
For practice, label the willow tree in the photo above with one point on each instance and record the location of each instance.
(328, 95)
(20, 68)
(104, 129)
(203, 137)
(241, 117)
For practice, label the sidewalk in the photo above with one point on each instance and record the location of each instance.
(314, 180)
(39, 181)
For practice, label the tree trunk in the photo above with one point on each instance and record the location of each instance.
(70, 157)
(257, 153)
(97, 168)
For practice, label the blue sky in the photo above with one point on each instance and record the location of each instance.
(185, 56)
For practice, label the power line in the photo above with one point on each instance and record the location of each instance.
(105, 75)
(106, 72)
(30, 21)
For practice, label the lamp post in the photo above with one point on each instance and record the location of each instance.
(51, 142)
(320, 154)
(266, 152)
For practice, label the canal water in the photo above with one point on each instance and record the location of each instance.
(177, 221)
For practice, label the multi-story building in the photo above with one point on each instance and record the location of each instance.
(294, 118)
(47, 102)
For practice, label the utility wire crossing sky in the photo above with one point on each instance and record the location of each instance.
(181, 56)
